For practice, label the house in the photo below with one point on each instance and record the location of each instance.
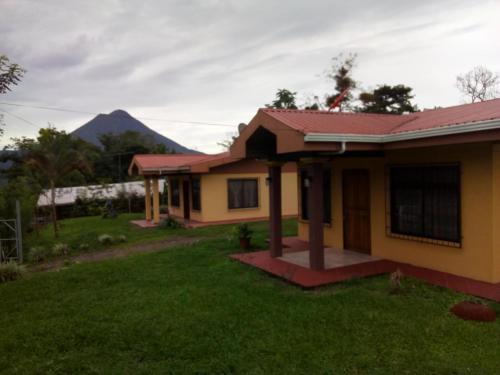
(210, 189)
(420, 189)
(65, 197)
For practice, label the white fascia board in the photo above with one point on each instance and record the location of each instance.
(404, 136)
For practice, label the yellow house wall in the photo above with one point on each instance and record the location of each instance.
(474, 258)
(214, 198)
(496, 213)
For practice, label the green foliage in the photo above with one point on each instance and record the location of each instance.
(37, 254)
(10, 271)
(10, 74)
(388, 99)
(60, 249)
(105, 239)
(121, 238)
(170, 223)
(242, 230)
(117, 153)
(284, 99)
(83, 247)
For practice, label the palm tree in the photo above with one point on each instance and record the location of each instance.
(53, 156)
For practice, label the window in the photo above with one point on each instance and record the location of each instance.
(174, 193)
(243, 193)
(425, 202)
(196, 194)
(327, 193)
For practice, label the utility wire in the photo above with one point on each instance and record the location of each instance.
(95, 114)
(20, 118)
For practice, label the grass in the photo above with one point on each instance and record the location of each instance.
(192, 310)
(86, 230)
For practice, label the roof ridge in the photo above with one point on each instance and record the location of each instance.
(309, 111)
(458, 105)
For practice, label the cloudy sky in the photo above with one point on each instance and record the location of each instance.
(216, 61)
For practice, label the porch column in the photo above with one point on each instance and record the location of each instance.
(156, 201)
(147, 197)
(275, 236)
(316, 246)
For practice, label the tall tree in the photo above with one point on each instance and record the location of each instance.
(479, 84)
(284, 99)
(53, 156)
(387, 99)
(340, 73)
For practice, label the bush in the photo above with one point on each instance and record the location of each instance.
(10, 271)
(83, 247)
(105, 239)
(170, 223)
(242, 230)
(60, 249)
(38, 254)
(121, 238)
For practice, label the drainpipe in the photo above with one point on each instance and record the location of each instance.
(343, 146)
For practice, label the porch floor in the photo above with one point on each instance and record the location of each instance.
(334, 258)
(293, 267)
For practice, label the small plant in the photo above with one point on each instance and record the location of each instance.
(105, 239)
(60, 249)
(121, 238)
(38, 254)
(243, 233)
(170, 223)
(84, 247)
(10, 271)
(396, 281)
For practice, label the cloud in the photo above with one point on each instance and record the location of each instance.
(218, 60)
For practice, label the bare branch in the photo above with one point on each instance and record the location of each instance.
(479, 84)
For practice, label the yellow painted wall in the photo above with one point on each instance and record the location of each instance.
(214, 198)
(496, 213)
(475, 258)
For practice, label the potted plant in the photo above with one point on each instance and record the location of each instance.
(244, 234)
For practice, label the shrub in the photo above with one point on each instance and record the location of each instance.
(83, 247)
(170, 223)
(105, 239)
(60, 249)
(10, 271)
(242, 230)
(38, 254)
(121, 238)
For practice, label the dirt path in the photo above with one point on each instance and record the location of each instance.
(149, 247)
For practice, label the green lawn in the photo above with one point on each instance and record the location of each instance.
(193, 310)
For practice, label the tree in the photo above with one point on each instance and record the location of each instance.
(284, 99)
(53, 156)
(340, 72)
(388, 99)
(118, 150)
(10, 75)
(479, 84)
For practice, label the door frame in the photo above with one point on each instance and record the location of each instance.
(367, 186)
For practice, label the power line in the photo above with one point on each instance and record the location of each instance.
(95, 114)
(20, 118)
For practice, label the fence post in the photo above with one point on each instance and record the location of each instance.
(19, 232)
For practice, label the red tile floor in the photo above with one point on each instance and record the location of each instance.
(287, 268)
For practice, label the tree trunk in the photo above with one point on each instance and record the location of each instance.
(54, 211)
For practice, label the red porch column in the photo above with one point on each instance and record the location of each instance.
(316, 246)
(275, 235)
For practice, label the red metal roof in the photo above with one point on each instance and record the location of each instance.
(176, 162)
(307, 121)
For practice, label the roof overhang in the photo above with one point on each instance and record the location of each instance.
(406, 136)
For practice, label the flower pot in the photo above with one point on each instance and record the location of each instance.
(245, 243)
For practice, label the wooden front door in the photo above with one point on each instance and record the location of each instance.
(356, 207)
(185, 199)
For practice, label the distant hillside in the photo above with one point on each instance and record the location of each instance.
(118, 122)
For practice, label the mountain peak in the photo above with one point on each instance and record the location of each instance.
(120, 112)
